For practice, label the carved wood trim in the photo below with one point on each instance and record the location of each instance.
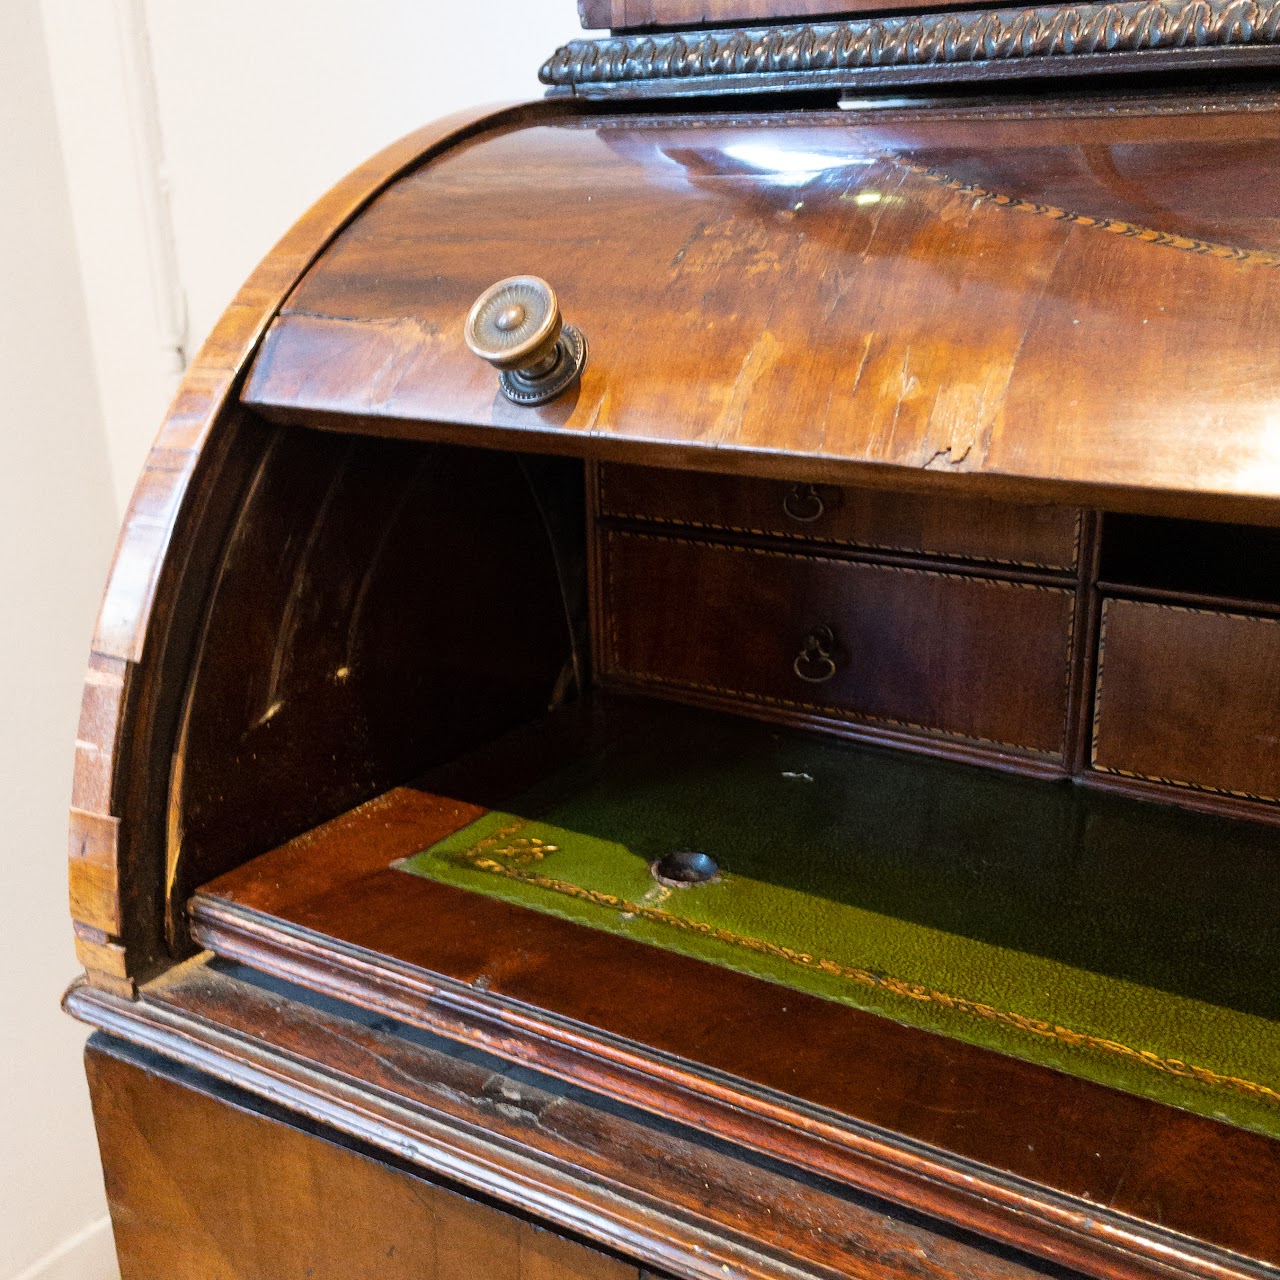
(837, 53)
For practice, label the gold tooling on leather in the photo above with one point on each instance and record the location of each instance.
(526, 851)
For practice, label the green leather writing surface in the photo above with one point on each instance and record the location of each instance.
(1126, 942)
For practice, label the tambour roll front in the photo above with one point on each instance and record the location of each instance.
(704, 671)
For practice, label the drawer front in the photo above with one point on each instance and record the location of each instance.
(1189, 696)
(967, 528)
(204, 1186)
(909, 649)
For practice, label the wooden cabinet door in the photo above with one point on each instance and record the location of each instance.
(201, 1188)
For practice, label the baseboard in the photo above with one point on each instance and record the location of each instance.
(90, 1254)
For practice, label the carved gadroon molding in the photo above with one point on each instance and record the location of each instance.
(822, 51)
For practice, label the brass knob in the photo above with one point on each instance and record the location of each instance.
(516, 326)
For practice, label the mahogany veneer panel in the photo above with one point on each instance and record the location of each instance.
(894, 299)
(200, 1187)
(1189, 696)
(327, 909)
(910, 523)
(916, 650)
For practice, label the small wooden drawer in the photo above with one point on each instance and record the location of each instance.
(1190, 697)
(912, 650)
(908, 523)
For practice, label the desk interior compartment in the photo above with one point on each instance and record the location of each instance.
(1187, 692)
(871, 647)
(935, 524)
(508, 783)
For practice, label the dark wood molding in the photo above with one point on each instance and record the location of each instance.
(657, 1192)
(1081, 1233)
(204, 1179)
(1048, 40)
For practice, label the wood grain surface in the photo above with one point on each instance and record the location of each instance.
(1018, 1152)
(1188, 696)
(632, 15)
(201, 1185)
(913, 649)
(873, 519)
(1014, 300)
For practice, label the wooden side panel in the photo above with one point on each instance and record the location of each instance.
(1189, 697)
(381, 607)
(914, 650)
(200, 1188)
(95, 895)
(194, 478)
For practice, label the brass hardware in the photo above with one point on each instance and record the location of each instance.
(516, 326)
(804, 504)
(815, 663)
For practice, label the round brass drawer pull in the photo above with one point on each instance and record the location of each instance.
(803, 503)
(516, 326)
(815, 663)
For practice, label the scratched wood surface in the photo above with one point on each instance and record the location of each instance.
(1025, 302)
(667, 1195)
(193, 482)
(202, 1185)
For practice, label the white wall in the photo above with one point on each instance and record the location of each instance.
(152, 152)
(57, 524)
(247, 111)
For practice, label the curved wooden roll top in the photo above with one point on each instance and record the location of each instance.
(1070, 303)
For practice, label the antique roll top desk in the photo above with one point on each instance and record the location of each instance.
(692, 683)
